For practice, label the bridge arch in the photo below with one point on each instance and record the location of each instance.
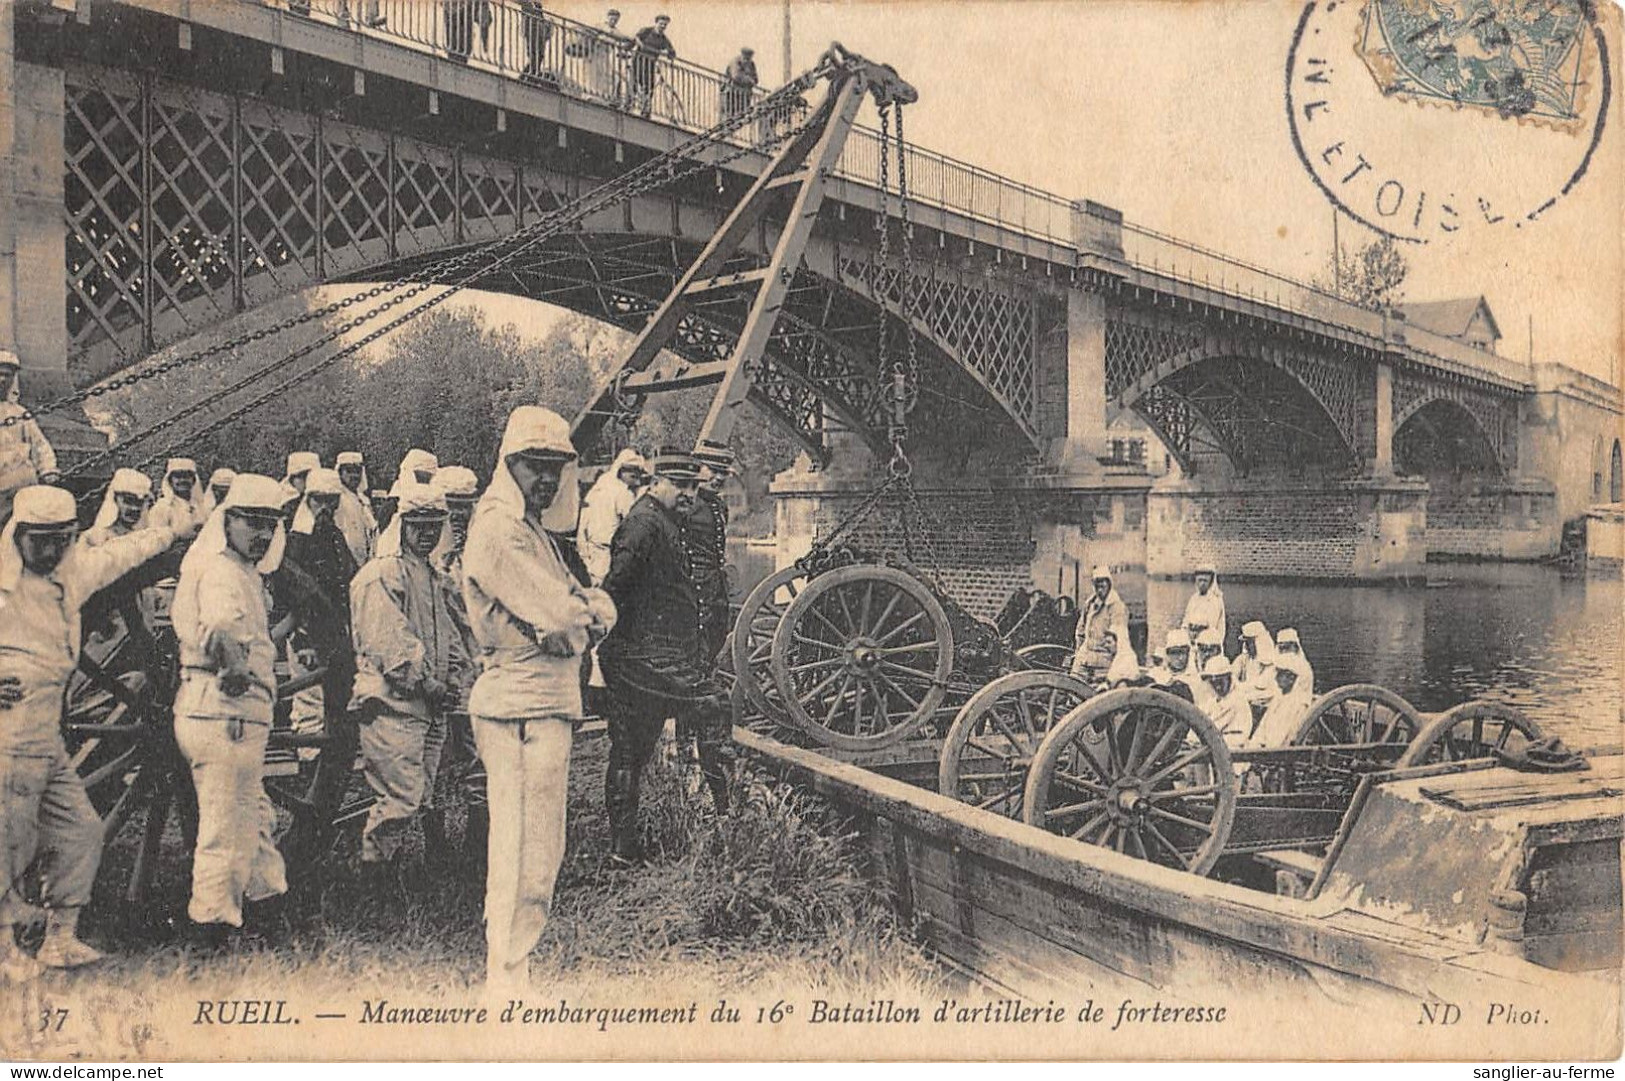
(1443, 435)
(1256, 403)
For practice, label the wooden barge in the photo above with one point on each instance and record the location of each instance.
(1466, 884)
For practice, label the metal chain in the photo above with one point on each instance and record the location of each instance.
(882, 223)
(914, 519)
(427, 276)
(909, 369)
(910, 296)
(816, 558)
(451, 290)
(657, 172)
(902, 392)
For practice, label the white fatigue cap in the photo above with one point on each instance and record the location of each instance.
(44, 505)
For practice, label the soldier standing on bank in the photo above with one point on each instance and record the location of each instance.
(706, 531)
(654, 661)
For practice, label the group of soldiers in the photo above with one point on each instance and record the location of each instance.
(444, 619)
(1259, 698)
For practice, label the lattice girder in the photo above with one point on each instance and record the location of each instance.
(1494, 412)
(990, 333)
(825, 336)
(1146, 350)
(104, 140)
(620, 280)
(184, 206)
(1256, 415)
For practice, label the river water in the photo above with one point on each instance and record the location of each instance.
(1545, 641)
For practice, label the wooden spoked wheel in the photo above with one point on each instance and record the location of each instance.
(751, 645)
(862, 657)
(1471, 730)
(1139, 771)
(1361, 713)
(109, 739)
(319, 793)
(995, 735)
(1044, 657)
(120, 743)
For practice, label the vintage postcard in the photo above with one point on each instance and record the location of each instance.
(811, 529)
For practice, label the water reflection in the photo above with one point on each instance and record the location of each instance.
(1532, 637)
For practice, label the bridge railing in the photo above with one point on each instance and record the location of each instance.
(517, 38)
(522, 41)
(1197, 266)
(1467, 359)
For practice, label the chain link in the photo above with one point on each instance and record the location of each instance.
(882, 258)
(656, 173)
(902, 391)
(910, 295)
(924, 525)
(430, 275)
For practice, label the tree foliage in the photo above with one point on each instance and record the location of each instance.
(1372, 276)
(444, 382)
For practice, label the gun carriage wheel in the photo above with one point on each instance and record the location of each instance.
(751, 645)
(1471, 730)
(862, 657)
(1361, 713)
(120, 743)
(1139, 771)
(995, 735)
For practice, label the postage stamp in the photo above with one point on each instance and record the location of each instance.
(1514, 58)
(1423, 118)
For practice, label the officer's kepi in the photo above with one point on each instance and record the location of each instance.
(719, 458)
(676, 465)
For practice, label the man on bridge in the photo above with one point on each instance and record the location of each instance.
(648, 46)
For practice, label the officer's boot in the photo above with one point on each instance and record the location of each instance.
(621, 805)
(436, 845)
(477, 835)
(268, 920)
(380, 880)
(714, 765)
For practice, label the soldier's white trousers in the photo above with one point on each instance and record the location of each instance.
(401, 756)
(527, 770)
(235, 856)
(44, 809)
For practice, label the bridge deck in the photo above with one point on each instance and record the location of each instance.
(1017, 222)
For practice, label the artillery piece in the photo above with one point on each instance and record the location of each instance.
(865, 660)
(858, 654)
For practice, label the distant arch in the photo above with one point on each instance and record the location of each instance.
(1616, 476)
(1442, 435)
(1252, 408)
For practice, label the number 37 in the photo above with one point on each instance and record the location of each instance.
(52, 1018)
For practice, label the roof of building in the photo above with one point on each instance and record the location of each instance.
(1449, 317)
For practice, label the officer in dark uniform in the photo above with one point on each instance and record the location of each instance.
(706, 530)
(654, 662)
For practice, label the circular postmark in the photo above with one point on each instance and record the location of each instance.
(1424, 118)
